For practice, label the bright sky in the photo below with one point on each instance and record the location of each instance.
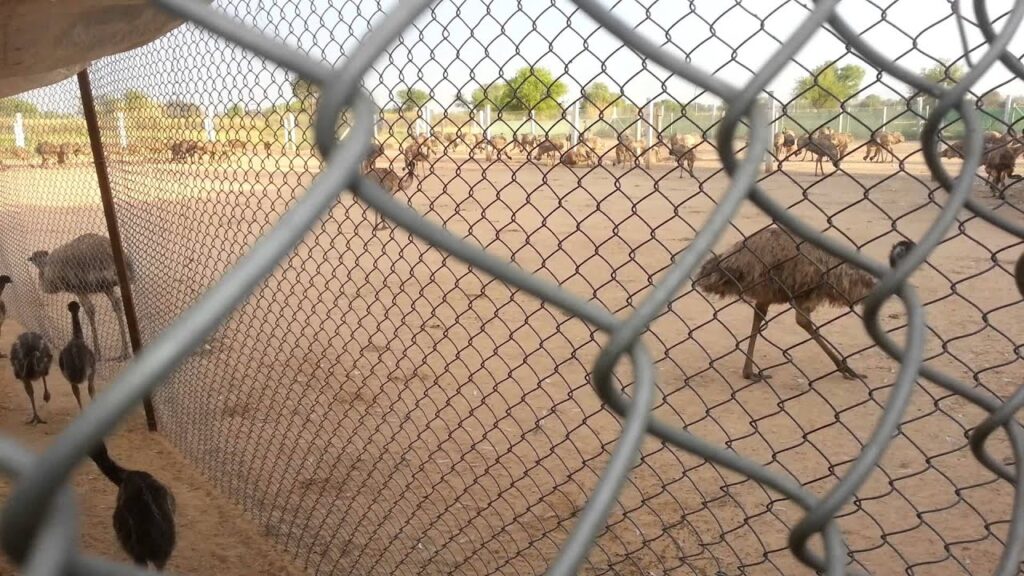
(461, 44)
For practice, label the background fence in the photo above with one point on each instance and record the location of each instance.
(380, 407)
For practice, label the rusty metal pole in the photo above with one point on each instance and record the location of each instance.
(110, 215)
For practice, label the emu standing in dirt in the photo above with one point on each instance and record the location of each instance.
(77, 361)
(770, 267)
(4, 281)
(82, 267)
(390, 181)
(31, 359)
(144, 514)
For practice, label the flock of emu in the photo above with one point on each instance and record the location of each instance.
(143, 516)
(821, 145)
(771, 267)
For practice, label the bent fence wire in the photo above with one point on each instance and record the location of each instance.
(418, 395)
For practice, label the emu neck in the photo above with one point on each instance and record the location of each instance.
(76, 326)
(2, 287)
(42, 276)
(110, 469)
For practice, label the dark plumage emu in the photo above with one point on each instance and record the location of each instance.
(144, 514)
(77, 361)
(4, 281)
(31, 359)
(770, 267)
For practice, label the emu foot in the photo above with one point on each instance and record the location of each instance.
(756, 376)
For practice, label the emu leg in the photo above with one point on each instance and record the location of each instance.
(91, 385)
(78, 395)
(90, 315)
(2, 355)
(46, 391)
(803, 319)
(760, 313)
(32, 400)
(115, 305)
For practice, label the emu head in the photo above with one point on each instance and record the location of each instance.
(899, 251)
(73, 307)
(5, 280)
(39, 258)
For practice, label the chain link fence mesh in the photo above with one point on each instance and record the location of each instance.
(389, 402)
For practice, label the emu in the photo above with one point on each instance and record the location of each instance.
(390, 181)
(77, 361)
(144, 514)
(770, 267)
(31, 359)
(4, 281)
(82, 267)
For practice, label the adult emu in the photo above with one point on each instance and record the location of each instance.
(770, 267)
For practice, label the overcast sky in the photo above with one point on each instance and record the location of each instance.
(461, 44)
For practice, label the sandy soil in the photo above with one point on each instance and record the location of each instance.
(380, 408)
(213, 536)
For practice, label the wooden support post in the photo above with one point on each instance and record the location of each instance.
(110, 214)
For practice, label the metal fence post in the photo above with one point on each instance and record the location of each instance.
(110, 215)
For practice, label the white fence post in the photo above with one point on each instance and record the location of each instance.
(487, 126)
(533, 123)
(19, 130)
(122, 134)
(885, 114)
(1007, 112)
(650, 124)
(576, 122)
(211, 132)
(289, 132)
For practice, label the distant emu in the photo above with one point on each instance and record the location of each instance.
(770, 267)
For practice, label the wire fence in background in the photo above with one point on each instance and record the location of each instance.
(390, 401)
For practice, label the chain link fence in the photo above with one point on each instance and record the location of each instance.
(416, 396)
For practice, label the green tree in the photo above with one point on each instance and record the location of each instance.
(12, 106)
(463, 101)
(828, 85)
(534, 88)
(138, 100)
(493, 94)
(183, 109)
(992, 99)
(871, 101)
(598, 97)
(411, 99)
(669, 107)
(943, 73)
(237, 109)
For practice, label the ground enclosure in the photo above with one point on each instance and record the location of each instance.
(380, 408)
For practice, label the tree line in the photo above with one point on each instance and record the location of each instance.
(828, 86)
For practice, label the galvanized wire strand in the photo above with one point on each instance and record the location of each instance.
(44, 543)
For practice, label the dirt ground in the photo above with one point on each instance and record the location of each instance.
(213, 536)
(380, 408)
